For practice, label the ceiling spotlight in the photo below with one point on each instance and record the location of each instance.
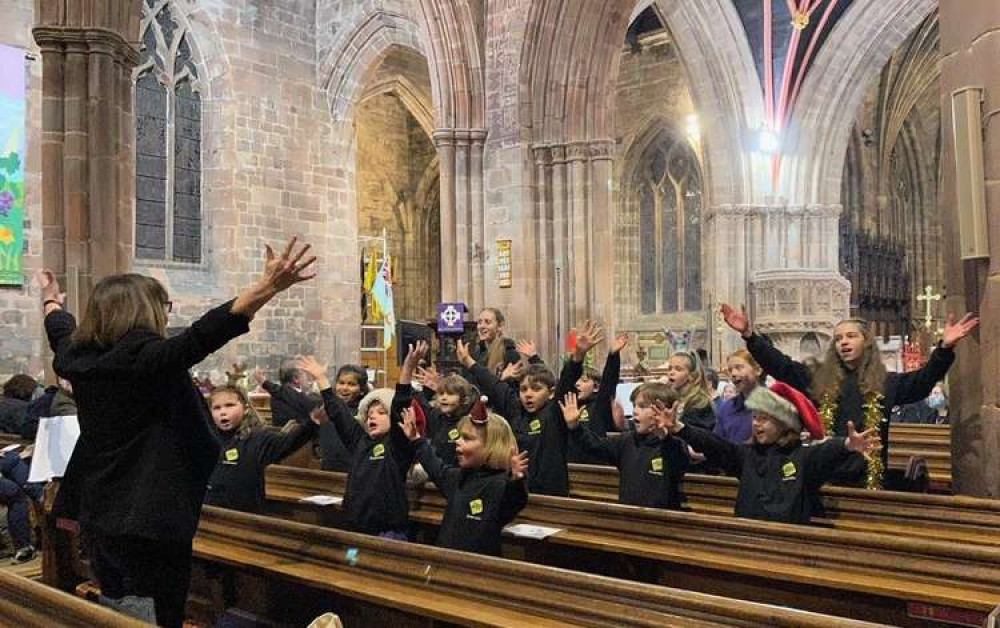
(767, 141)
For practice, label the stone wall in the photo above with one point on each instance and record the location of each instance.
(22, 345)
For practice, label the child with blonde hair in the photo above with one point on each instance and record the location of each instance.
(485, 490)
(248, 447)
(686, 375)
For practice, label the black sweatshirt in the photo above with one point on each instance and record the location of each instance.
(650, 468)
(542, 434)
(776, 483)
(899, 389)
(480, 502)
(375, 497)
(595, 413)
(288, 404)
(238, 479)
(334, 454)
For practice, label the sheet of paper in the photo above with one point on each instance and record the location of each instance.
(323, 500)
(54, 444)
(10, 448)
(529, 531)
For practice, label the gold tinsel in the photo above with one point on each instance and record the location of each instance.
(872, 419)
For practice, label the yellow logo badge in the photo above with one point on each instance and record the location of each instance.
(476, 507)
(232, 455)
(378, 451)
(788, 469)
(656, 464)
(452, 435)
(585, 416)
(535, 426)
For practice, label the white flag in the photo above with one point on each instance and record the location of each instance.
(382, 292)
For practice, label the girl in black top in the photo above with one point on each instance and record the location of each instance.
(780, 477)
(853, 377)
(650, 462)
(485, 490)
(247, 448)
(445, 401)
(350, 386)
(381, 454)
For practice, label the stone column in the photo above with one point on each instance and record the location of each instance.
(577, 154)
(602, 234)
(86, 145)
(445, 141)
(477, 137)
(86, 142)
(968, 57)
(560, 244)
(541, 226)
(462, 253)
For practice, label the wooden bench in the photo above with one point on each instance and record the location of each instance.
(29, 604)
(882, 577)
(958, 518)
(283, 566)
(930, 442)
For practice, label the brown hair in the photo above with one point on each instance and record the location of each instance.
(454, 384)
(829, 375)
(656, 392)
(498, 440)
(539, 374)
(746, 356)
(251, 420)
(695, 392)
(20, 386)
(119, 304)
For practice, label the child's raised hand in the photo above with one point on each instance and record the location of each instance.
(526, 348)
(310, 365)
(586, 339)
(519, 465)
(666, 418)
(953, 332)
(50, 286)
(462, 353)
(318, 415)
(620, 342)
(863, 442)
(618, 415)
(736, 319)
(413, 357)
(570, 410)
(429, 378)
(514, 371)
(409, 423)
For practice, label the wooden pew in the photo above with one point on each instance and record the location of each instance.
(958, 518)
(293, 571)
(882, 577)
(29, 604)
(931, 442)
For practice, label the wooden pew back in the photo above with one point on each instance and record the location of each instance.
(29, 604)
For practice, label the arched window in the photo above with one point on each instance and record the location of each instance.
(668, 186)
(167, 141)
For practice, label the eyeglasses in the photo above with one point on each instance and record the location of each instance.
(169, 305)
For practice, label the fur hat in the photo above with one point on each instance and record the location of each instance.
(382, 395)
(787, 406)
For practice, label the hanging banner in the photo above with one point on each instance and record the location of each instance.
(12, 97)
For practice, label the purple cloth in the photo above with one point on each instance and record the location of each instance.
(394, 535)
(733, 420)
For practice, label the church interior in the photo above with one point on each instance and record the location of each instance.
(642, 164)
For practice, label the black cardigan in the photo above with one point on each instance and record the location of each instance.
(146, 449)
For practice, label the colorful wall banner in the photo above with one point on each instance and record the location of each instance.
(12, 131)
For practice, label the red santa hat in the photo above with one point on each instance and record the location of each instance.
(788, 406)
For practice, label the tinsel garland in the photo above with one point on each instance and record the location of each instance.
(872, 419)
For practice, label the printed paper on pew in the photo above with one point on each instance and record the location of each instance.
(8, 448)
(527, 531)
(323, 500)
(54, 444)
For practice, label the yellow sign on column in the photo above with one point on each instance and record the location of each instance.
(504, 277)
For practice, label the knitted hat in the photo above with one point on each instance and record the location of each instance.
(382, 395)
(787, 406)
